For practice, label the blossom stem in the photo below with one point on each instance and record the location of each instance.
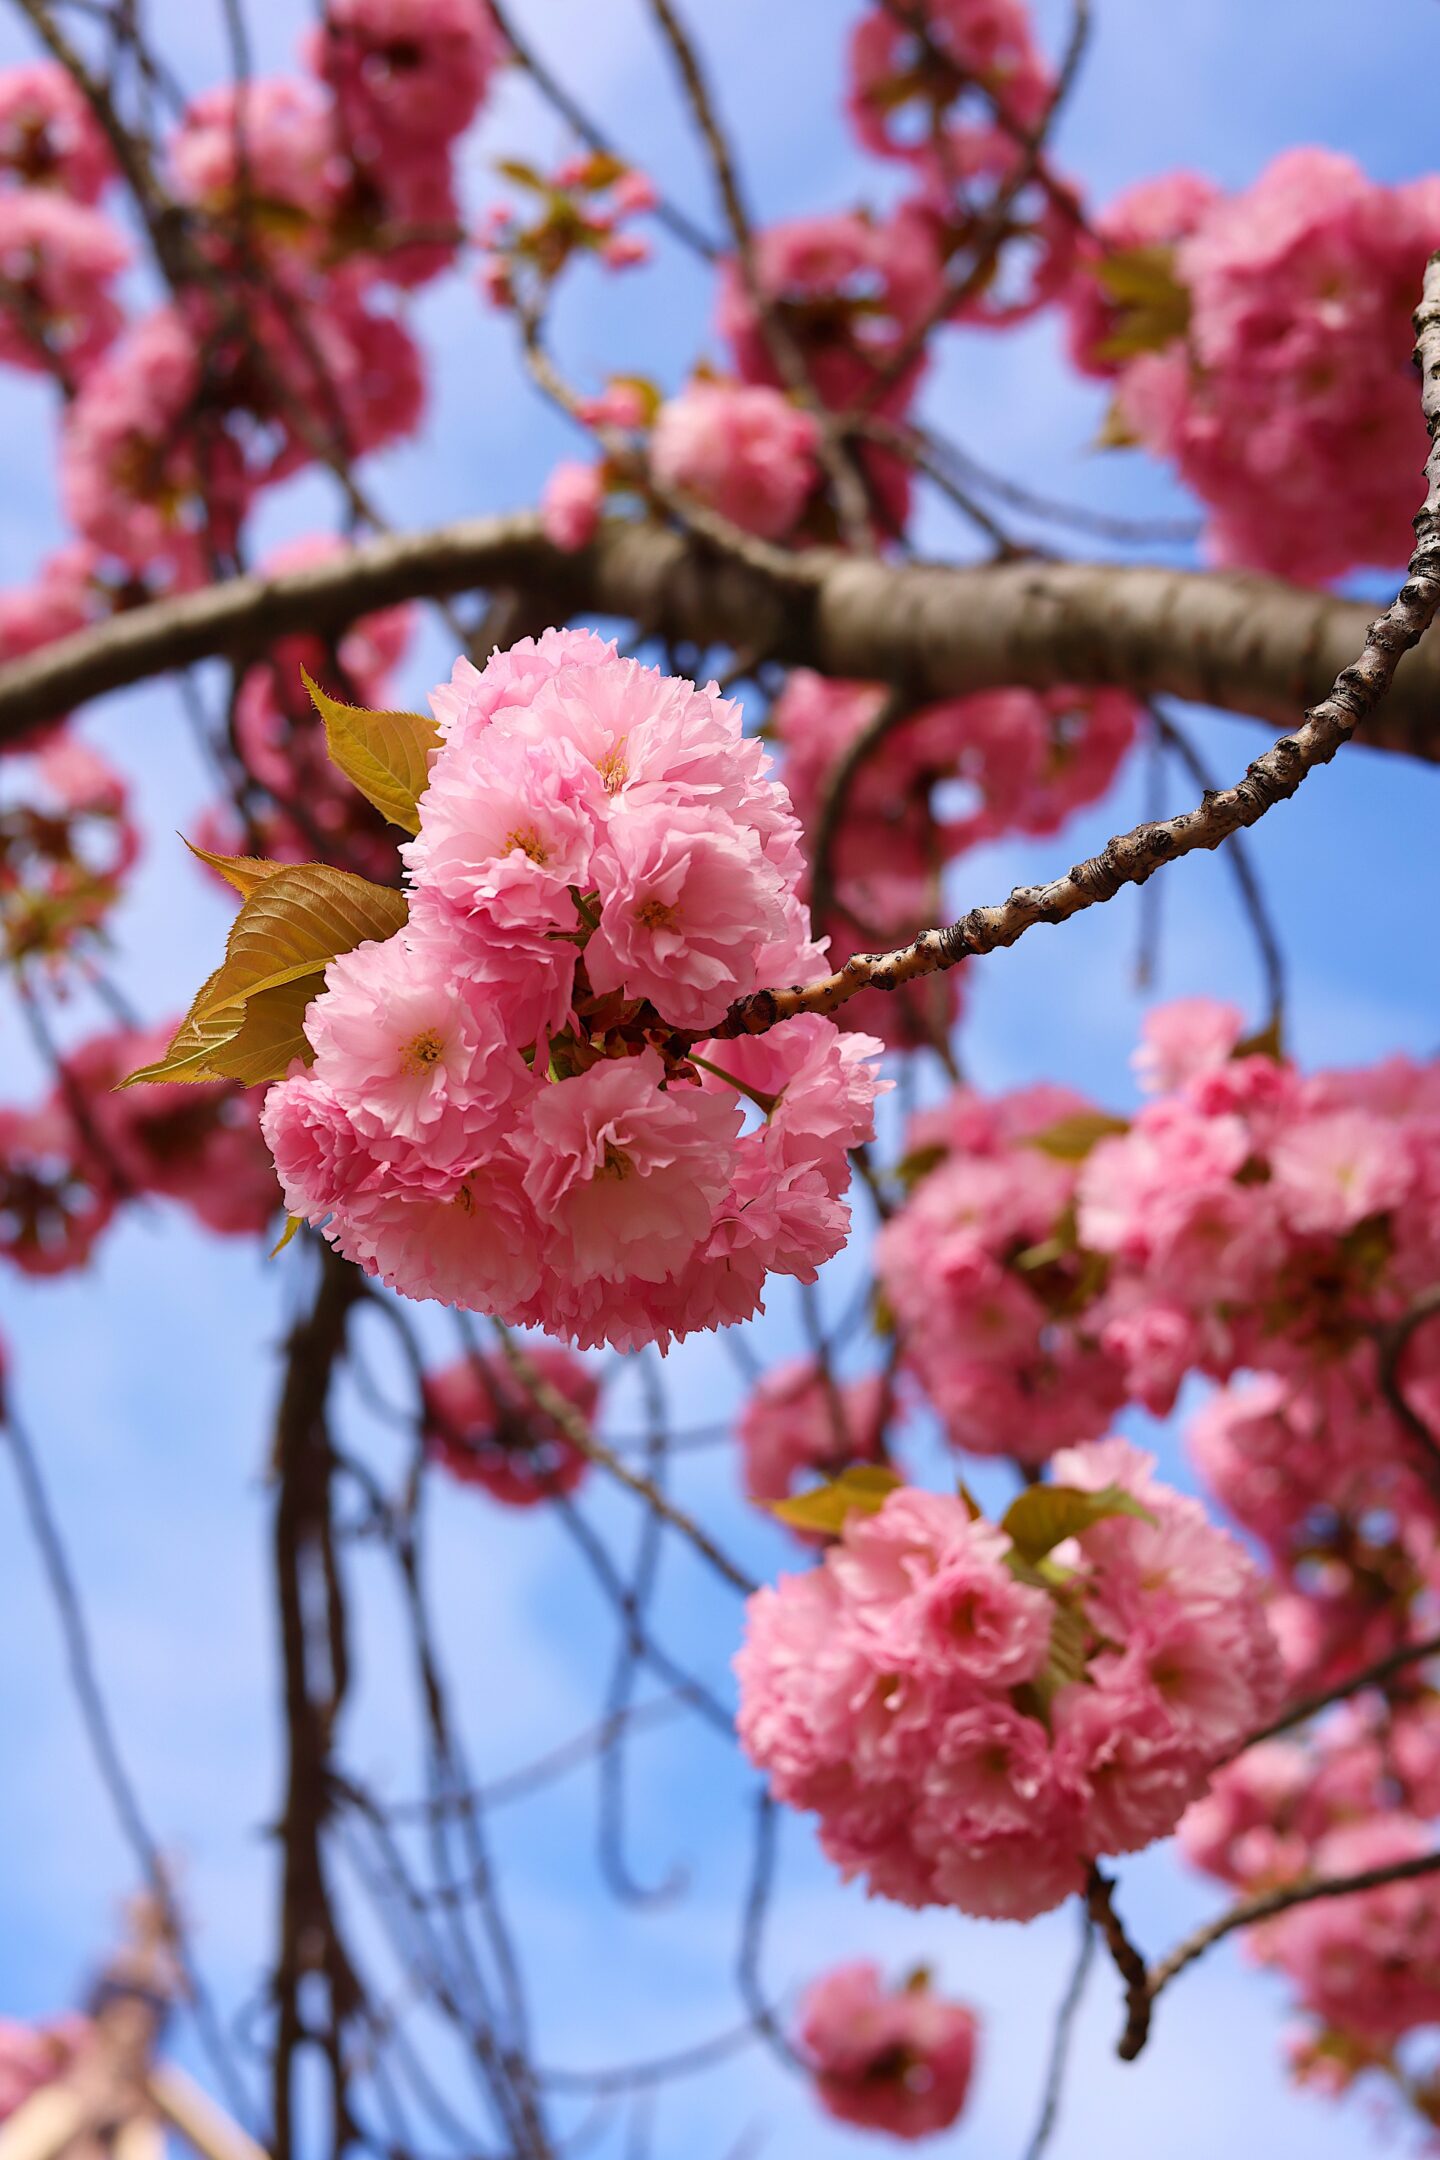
(758, 1096)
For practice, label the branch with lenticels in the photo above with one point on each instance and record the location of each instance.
(1130, 858)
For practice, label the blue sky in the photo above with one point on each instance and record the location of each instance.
(148, 1381)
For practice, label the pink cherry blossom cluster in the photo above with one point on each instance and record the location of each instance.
(897, 2059)
(994, 1305)
(67, 1164)
(972, 1729)
(307, 199)
(953, 89)
(851, 290)
(59, 254)
(802, 1422)
(1360, 1792)
(1254, 339)
(743, 449)
(1249, 1217)
(511, 1105)
(297, 806)
(1022, 761)
(483, 1428)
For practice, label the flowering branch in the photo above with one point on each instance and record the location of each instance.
(1249, 1911)
(1130, 858)
(1308, 1706)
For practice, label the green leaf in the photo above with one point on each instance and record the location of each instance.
(1045, 1515)
(1069, 1640)
(386, 755)
(244, 872)
(292, 924)
(252, 1043)
(191, 1045)
(1115, 431)
(270, 1036)
(863, 1489)
(1070, 1139)
(522, 174)
(1152, 307)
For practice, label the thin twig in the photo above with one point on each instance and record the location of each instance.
(563, 1413)
(1132, 857)
(1268, 1903)
(667, 213)
(1309, 1706)
(1061, 2038)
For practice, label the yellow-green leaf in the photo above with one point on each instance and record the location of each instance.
(251, 1043)
(270, 1035)
(244, 872)
(863, 1489)
(386, 755)
(1070, 1139)
(1045, 1515)
(1152, 307)
(295, 922)
(192, 1043)
(1069, 1640)
(292, 1224)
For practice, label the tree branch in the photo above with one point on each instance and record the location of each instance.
(1132, 857)
(1246, 644)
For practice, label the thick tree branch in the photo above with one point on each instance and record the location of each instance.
(1132, 857)
(1246, 644)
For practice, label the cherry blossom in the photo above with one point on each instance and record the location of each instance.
(898, 2059)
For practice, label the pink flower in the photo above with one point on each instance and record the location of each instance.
(49, 137)
(62, 258)
(628, 1176)
(293, 160)
(474, 1243)
(1185, 1037)
(484, 1429)
(320, 1159)
(1286, 333)
(508, 826)
(570, 505)
(620, 405)
(406, 73)
(417, 1054)
(905, 1690)
(988, 43)
(899, 2061)
(688, 903)
(488, 1120)
(934, 1596)
(624, 251)
(634, 194)
(794, 1422)
(1331, 1172)
(472, 697)
(744, 450)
